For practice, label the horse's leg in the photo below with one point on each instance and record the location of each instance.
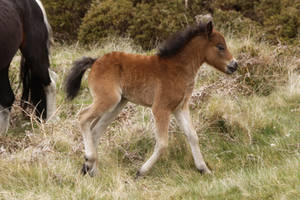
(184, 120)
(50, 91)
(38, 79)
(162, 120)
(97, 110)
(6, 100)
(4, 119)
(37, 83)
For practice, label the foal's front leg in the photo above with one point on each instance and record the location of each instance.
(184, 120)
(162, 119)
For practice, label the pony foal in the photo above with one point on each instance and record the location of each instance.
(163, 82)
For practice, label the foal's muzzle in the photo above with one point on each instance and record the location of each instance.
(232, 67)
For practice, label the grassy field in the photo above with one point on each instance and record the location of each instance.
(248, 125)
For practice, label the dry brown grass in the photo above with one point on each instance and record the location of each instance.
(250, 139)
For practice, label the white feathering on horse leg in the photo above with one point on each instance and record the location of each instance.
(50, 91)
(4, 119)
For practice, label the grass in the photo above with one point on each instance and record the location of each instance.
(249, 137)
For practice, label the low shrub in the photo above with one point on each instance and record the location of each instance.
(146, 22)
(106, 18)
(153, 23)
(65, 16)
(284, 26)
(235, 23)
(262, 72)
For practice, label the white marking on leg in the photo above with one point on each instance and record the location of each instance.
(4, 119)
(162, 123)
(184, 121)
(50, 91)
(85, 126)
(87, 119)
(92, 132)
(104, 121)
(89, 149)
(158, 150)
(53, 75)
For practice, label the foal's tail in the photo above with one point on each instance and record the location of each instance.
(73, 80)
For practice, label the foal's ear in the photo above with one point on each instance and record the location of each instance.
(209, 28)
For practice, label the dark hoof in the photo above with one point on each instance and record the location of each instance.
(138, 175)
(202, 171)
(85, 169)
(85, 159)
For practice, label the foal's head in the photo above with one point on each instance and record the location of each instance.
(203, 38)
(217, 53)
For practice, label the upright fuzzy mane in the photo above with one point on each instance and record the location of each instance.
(176, 42)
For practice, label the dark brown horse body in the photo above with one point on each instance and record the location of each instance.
(24, 26)
(163, 82)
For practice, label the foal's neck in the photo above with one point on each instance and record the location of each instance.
(192, 56)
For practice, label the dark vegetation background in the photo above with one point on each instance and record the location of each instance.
(148, 22)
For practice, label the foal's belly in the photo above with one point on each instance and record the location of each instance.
(139, 95)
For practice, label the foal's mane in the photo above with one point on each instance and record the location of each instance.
(176, 42)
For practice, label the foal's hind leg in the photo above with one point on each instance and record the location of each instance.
(100, 108)
(6, 100)
(99, 127)
(162, 120)
(183, 118)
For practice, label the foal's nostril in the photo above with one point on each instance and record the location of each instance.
(232, 66)
(235, 65)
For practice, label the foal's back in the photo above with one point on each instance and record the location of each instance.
(137, 78)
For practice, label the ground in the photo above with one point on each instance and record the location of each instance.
(250, 140)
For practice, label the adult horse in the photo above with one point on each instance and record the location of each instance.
(163, 82)
(24, 26)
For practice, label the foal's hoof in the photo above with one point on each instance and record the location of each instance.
(138, 175)
(204, 171)
(86, 169)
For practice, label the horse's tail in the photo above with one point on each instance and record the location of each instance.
(73, 80)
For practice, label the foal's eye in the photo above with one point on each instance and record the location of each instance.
(220, 47)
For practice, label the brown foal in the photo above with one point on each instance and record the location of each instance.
(163, 82)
